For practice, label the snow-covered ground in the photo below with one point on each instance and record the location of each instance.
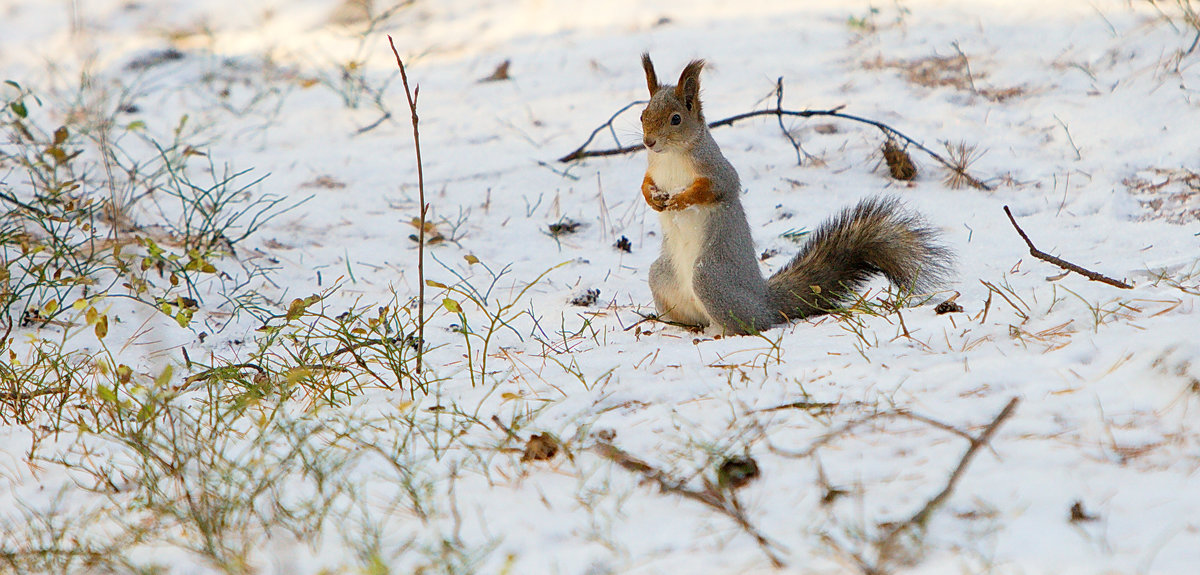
(1084, 117)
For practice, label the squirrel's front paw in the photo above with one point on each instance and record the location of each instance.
(659, 199)
(656, 198)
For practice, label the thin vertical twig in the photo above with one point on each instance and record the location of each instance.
(412, 107)
(782, 128)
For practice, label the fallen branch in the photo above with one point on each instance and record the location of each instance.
(778, 111)
(1039, 254)
(887, 546)
(14, 396)
(723, 501)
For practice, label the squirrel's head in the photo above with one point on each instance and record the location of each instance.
(673, 118)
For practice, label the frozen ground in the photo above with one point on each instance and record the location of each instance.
(1084, 117)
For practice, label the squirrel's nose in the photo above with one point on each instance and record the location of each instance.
(649, 142)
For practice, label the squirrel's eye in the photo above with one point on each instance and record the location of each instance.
(675, 119)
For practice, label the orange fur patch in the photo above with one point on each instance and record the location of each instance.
(699, 193)
(648, 189)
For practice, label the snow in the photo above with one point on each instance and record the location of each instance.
(1106, 377)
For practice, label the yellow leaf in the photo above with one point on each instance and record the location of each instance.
(298, 374)
(471, 259)
(102, 327)
(451, 305)
(50, 306)
(184, 317)
(92, 315)
(165, 377)
(434, 284)
(79, 304)
(296, 309)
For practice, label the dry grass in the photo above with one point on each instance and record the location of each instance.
(945, 71)
(1167, 194)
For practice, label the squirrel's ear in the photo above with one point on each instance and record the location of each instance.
(651, 77)
(688, 88)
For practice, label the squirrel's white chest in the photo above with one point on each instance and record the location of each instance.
(683, 237)
(671, 171)
(683, 244)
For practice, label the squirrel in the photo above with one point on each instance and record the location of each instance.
(708, 274)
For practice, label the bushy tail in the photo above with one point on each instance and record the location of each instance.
(877, 236)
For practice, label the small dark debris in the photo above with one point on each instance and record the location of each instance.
(899, 163)
(825, 129)
(768, 254)
(735, 472)
(430, 239)
(607, 434)
(540, 447)
(155, 58)
(564, 227)
(30, 317)
(831, 494)
(587, 298)
(203, 336)
(623, 244)
(662, 21)
(813, 407)
(948, 306)
(1078, 514)
(500, 73)
(326, 182)
(130, 109)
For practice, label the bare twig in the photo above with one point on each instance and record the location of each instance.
(22, 396)
(782, 128)
(1033, 251)
(723, 501)
(966, 65)
(887, 545)
(1070, 140)
(209, 373)
(921, 517)
(580, 152)
(365, 343)
(412, 107)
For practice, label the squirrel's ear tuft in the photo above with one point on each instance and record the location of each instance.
(651, 77)
(688, 88)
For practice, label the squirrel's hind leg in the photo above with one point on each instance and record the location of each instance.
(739, 307)
(674, 299)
